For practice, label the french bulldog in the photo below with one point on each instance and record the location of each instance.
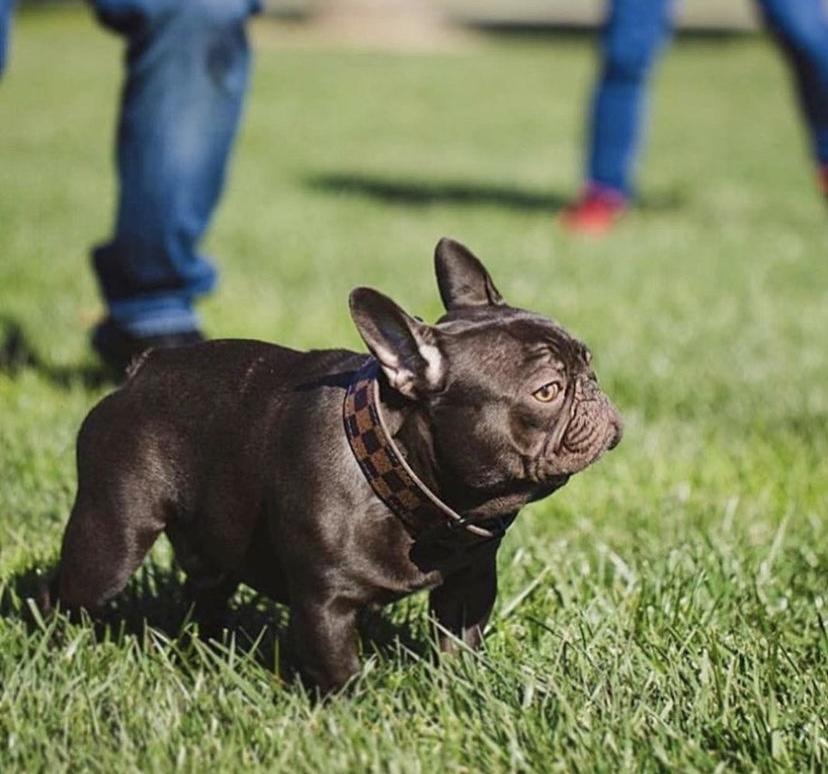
(333, 481)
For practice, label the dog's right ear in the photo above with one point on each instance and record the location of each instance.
(462, 278)
(405, 348)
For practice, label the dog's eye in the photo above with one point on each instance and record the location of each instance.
(548, 392)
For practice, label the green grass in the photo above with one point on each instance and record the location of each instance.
(667, 610)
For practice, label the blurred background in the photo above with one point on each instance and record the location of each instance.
(735, 14)
(503, 14)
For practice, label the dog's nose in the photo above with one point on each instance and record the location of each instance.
(618, 427)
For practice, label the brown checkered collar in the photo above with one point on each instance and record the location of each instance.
(386, 469)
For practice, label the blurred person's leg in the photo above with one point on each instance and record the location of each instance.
(801, 27)
(634, 33)
(6, 8)
(187, 65)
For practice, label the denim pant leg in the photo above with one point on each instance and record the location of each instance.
(187, 67)
(801, 27)
(6, 8)
(634, 33)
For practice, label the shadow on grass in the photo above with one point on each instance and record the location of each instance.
(156, 598)
(17, 354)
(586, 31)
(423, 192)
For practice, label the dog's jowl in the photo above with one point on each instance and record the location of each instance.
(335, 481)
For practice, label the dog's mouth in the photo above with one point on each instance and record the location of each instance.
(593, 428)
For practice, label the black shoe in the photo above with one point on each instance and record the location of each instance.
(118, 348)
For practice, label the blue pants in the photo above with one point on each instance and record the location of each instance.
(635, 32)
(6, 7)
(187, 65)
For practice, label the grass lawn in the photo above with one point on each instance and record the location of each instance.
(666, 610)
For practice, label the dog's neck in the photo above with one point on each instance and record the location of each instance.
(411, 431)
(410, 428)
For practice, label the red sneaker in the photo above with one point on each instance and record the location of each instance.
(596, 212)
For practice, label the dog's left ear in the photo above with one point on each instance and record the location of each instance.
(462, 278)
(405, 348)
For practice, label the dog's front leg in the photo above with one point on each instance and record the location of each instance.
(461, 605)
(324, 640)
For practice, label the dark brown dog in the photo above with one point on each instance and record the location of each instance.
(240, 452)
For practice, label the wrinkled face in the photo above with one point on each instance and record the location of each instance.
(513, 404)
(520, 404)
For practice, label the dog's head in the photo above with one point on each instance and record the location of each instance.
(512, 402)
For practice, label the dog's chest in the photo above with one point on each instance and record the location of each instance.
(395, 565)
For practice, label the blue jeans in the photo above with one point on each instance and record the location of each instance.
(187, 64)
(6, 7)
(187, 72)
(635, 32)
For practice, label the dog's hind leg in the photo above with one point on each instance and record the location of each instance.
(106, 540)
(126, 494)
